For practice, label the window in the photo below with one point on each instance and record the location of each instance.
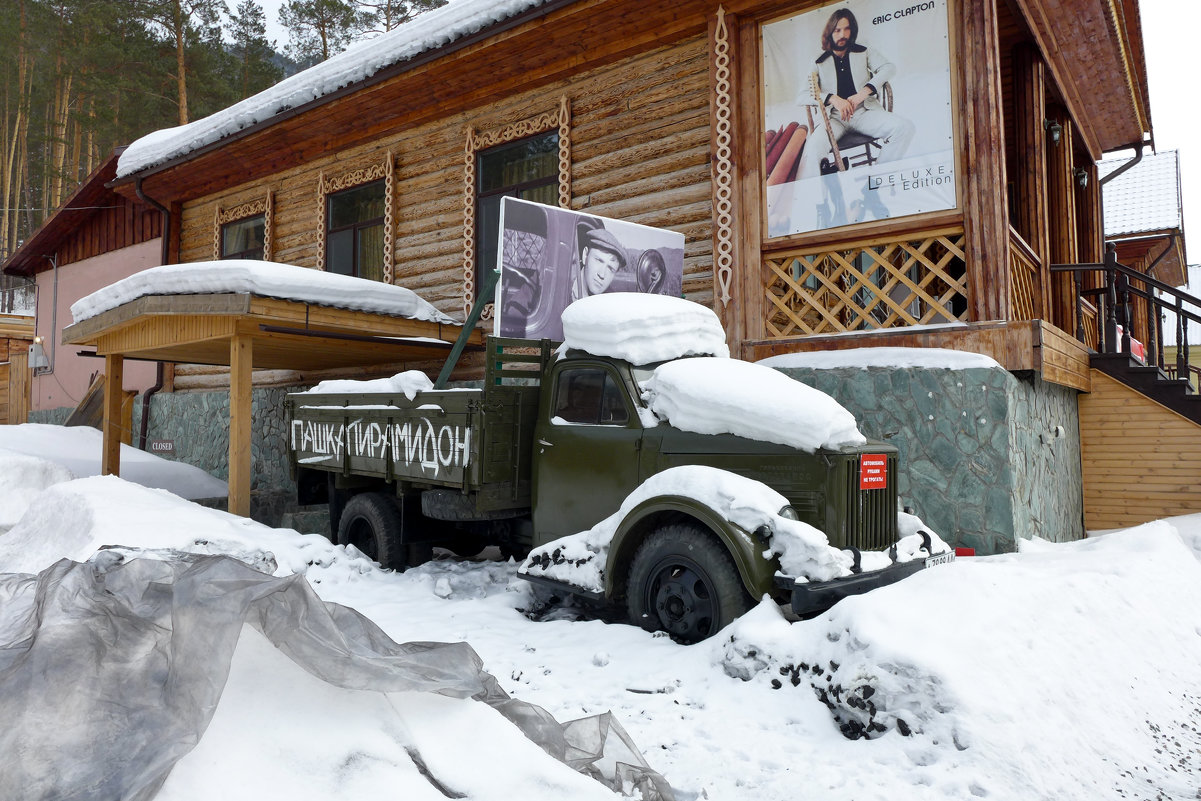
(354, 232)
(527, 169)
(244, 238)
(591, 397)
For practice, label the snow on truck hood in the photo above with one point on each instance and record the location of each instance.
(269, 279)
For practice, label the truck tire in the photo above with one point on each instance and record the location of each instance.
(371, 522)
(683, 581)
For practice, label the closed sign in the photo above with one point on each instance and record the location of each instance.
(161, 446)
(873, 471)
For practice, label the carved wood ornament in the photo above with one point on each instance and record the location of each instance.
(723, 185)
(222, 216)
(385, 171)
(482, 140)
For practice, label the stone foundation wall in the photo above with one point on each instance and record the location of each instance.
(986, 457)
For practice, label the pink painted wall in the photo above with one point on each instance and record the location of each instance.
(71, 375)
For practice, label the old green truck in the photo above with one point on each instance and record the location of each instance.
(554, 443)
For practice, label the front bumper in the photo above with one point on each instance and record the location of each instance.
(817, 596)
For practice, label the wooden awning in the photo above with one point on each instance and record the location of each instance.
(246, 332)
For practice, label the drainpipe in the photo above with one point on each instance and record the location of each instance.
(52, 258)
(166, 250)
(1138, 156)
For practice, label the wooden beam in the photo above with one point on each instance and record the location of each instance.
(985, 220)
(1030, 173)
(241, 357)
(110, 449)
(1061, 191)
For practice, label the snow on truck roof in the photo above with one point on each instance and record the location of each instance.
(265, 278)
(643, 329)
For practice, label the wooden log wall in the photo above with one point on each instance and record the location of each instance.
(1140, 460)
(111, 228)
(640, 152)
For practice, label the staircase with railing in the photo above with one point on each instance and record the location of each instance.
(1105, 316)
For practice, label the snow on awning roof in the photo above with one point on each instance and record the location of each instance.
(268, 279)
(426, 32)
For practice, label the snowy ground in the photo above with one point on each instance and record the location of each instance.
(1065, 672)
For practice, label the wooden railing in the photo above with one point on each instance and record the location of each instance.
(1025, 285)
(919, 280)
(1105, 320)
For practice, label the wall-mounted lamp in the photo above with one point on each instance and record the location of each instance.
(37, 355)
(1054, 129)
(1081, 177)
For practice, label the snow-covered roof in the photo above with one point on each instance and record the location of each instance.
(265, 278)
(1146, 197)
(425, 32)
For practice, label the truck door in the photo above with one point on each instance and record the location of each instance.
(586, 449)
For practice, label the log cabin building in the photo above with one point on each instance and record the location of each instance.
(939, 224)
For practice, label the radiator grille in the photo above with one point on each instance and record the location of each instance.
(872, 514)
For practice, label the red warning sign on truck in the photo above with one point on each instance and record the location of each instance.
(873, 471)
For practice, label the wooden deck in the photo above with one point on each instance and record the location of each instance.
(1140, 460)
(1028, 345)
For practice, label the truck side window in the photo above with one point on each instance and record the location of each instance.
(590, 396)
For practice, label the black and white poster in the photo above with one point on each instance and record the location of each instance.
(550, 257)
(857, 115)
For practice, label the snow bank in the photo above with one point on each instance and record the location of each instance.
(22, 479)
(428, 31)
(1072, 655)
(408, 383)
(269, 279)
(729, 396)
(898, 358)
(78, 450)
(642, 328)
(74, 519)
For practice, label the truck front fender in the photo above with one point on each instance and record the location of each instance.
(745, 547)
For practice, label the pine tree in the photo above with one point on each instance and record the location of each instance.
(248, 30)
(186, 24)
(317, 29)
(388, 14)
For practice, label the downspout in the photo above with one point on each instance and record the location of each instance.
(159, 375)
(1138, 156)
(53, 259)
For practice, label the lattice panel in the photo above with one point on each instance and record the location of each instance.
(916, 281)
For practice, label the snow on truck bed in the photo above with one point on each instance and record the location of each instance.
(265, 278)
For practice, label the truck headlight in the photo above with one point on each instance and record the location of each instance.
(788, 513)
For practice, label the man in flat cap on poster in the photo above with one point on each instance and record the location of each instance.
(601, 256)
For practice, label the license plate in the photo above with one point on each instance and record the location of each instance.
(940, 559)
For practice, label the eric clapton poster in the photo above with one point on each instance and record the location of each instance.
(857, 115)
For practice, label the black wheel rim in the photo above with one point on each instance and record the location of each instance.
(682, 598)
(360, 534)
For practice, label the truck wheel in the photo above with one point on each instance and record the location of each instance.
(684, 582)
(371, 522)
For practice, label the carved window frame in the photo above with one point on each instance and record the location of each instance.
(560, 119)
(264, 206)
(384, 170)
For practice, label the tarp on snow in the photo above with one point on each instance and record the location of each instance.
(111, 670)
